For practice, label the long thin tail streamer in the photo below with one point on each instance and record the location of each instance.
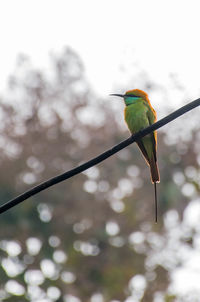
(156, 203)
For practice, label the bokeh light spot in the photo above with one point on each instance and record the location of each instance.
(68, 277)
(33, 245)
(34, 277)
(13, 287)
(112, 228)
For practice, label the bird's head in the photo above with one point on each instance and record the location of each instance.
(133, 95)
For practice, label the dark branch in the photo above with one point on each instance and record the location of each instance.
(100, 158)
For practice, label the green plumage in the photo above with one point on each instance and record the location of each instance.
(138, 116)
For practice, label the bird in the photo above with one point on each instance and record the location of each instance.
(139, 114)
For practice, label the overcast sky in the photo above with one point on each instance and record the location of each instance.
(162, 36)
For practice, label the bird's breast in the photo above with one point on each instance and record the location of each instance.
(136, 117)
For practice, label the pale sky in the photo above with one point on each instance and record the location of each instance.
(162, 36)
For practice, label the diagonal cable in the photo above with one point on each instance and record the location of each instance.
(59, 178)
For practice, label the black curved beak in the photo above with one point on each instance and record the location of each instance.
(116, 94)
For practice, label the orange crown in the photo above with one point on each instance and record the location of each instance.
(138, 92)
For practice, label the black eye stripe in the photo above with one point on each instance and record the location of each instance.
(130, 95)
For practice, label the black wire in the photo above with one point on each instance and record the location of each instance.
(52, 181)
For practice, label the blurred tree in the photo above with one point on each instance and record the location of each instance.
(91, 238)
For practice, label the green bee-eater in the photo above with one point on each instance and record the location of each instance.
(139, 114)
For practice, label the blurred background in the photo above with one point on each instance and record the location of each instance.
(93, 238)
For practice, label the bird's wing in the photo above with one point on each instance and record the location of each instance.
(151, 115)
(140, 142)
(143, 150)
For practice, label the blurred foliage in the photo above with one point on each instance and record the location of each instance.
(93, 237)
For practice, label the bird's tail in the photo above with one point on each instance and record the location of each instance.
(155, 177)
(151, 161)
(156, 203)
